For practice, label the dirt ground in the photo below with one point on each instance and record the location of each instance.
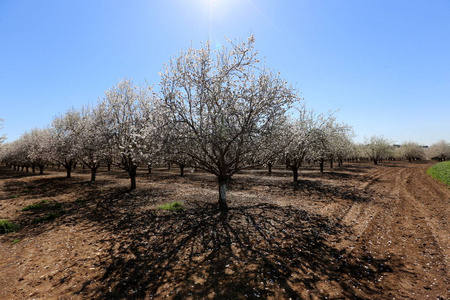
(356, 232)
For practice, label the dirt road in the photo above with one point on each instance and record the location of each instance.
(407, 223)
(356, 232)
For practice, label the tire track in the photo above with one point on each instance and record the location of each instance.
(435, 221)
(406, 230)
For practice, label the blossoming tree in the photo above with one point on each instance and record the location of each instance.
(230, 107)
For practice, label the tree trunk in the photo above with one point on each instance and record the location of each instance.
(132, 171)
(288, 163)
(169, 165)
(269, 165)
(294, 169)
(33, 168)
(223, 181)
(149, 166)
(375, 161)
(26, 169)
(182, 170)
(321, 165)
(109, 167)
(41, 169)
(69, 170)
(93, 172)
(331, 163)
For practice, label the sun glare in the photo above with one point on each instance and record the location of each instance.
(218, 6)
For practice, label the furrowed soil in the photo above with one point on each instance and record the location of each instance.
(356, 232)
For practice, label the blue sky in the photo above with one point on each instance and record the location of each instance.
(384, 64)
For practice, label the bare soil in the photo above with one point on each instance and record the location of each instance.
(355, 232)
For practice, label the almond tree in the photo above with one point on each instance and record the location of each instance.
(229, 105)
(92, 143)
(14, 154)
(2, 137)
(302, 135)
(64, 139)
(131, 123)
(38, 148)
(377, 148)
(21, 153)
(339, 142)
(412, 151)
(344, 148)
(329, 141)
(5, 154)
(440, 150)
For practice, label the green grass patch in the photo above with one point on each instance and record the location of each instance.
(174, 206)
(8, 226)
(15, 196)
(44, 204)
(25, 191)
(15, 241)
(441, 172)
(33, 206)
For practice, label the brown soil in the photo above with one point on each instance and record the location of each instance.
(357, 232)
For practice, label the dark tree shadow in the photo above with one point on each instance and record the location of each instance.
(51, 186)
(258, 251)
(332, 192)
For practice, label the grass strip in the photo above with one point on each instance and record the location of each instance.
(441, 172)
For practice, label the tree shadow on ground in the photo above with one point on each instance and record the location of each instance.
(334, 175)
(51, 186)
(331, 192)
(393, 164)
(303, 187)
(88, 196)
(257, 251)
(357, 167)
(7, 173)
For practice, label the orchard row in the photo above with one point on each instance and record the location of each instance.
(217, 110)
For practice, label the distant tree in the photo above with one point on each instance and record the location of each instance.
(341, 144)
(440, 150)
(344, 147)
(15, 154)
(230, 107)
(38, 148)
(131, 122)
(328, 140)
(6, 154)
(92, 142)
(301, 136)
(64, 139)
(174, 148)
(2, 137)
(412, 151)
(377, 148)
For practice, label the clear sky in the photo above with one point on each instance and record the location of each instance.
(384, 64)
